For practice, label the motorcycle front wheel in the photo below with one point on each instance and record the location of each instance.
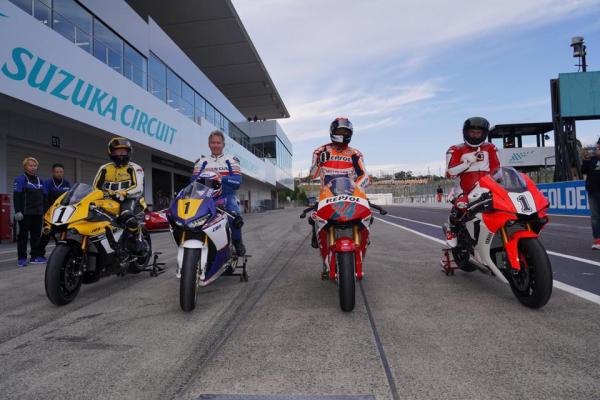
(532, 285)
(63, 276)
(188, 284)
(346, 280)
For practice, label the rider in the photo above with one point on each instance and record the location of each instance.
(228, 167)
(124, 181)
(469, 161)
(337, 158)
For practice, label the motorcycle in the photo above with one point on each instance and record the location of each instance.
(342, 219)
(93, 243)
(499, 235)
(200, 227)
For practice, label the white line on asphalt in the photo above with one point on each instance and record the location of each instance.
(414, 220)
(583, 260)
(559, 285)
(574, 258)
(412, 231)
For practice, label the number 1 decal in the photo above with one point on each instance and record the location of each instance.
(525, 207)
(187, 207)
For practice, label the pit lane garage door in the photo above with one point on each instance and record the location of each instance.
(16, 152)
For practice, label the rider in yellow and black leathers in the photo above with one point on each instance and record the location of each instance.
(124, 181)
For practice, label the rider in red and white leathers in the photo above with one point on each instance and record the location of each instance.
(469, 161)
(337, 158)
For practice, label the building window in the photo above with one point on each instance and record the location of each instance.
(108, 47)
(210, 114)
(134, 66)
(157, 78)
(25, 5)
(73, 22)
(199, 105)
(187, 100)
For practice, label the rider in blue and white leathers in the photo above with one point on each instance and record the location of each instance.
(228, 167)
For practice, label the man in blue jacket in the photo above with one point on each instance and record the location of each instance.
(29, 196)
(231, 177)
(55, 187)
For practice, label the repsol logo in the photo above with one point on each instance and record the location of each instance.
(342, 198)
(58, 82)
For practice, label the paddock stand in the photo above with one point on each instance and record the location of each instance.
(231, 270)
(447, 262)
(156, 268)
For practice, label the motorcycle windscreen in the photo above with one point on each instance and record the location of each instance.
(195, 190)
(340, 184)
(511, 180)
(76, 194)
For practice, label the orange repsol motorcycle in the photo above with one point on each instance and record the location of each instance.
(341, 220)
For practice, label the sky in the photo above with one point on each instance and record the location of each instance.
(408, 73)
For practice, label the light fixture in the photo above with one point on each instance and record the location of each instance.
(579, 51)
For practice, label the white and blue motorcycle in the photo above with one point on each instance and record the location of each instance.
(200, 227)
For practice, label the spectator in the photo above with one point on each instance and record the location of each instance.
(28, 199)
(591, 168)
(440, 193)
(55, 187)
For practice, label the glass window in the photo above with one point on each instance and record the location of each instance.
(42, 11)
(25, 5)
(134, 66)
(210, 114)
(199, 105)
(187, 97)
(108, 47)
(157, 81)
(173, 90)
(73, 22)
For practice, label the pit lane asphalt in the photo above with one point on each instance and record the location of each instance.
(282, 333)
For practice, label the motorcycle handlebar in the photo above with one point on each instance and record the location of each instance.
(311, 208)
(376, 207)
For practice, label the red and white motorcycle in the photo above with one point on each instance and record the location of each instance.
(499, 235)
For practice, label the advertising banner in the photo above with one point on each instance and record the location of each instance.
(567, 198)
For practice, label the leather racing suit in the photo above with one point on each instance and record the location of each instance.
(126, 184)
(469, 164)
(228, 167)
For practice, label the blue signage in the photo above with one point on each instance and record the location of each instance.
(567, 198)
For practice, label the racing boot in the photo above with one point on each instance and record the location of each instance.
(240, 249)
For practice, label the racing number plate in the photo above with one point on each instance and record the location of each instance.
(62, 214)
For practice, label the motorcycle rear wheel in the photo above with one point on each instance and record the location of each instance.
(63, 276)
(346, 280)
(188, 283)
(532, 285)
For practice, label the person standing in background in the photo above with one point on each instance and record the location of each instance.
(55, 187)
(28, 201)
(590, 167)
(440, 193)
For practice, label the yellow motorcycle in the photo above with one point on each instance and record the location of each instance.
(93, 242)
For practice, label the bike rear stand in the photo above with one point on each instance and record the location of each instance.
(244, 274)
(447, 262)
(156, 268)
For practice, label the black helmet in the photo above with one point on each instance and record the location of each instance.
(119, 143)
(476, 123)
(340, 123)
